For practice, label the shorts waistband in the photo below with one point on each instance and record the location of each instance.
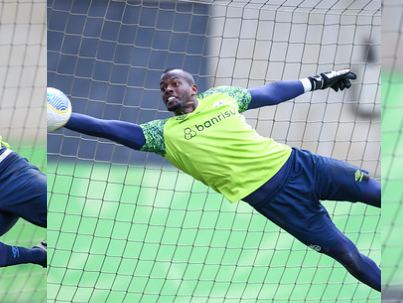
(275, 184)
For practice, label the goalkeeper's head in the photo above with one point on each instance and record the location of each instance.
(178, 91)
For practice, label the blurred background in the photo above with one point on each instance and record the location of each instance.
(127, 226)
(23, 126)
(392, 147)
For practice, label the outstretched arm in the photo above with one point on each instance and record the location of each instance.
(125, 133)
(277, 92)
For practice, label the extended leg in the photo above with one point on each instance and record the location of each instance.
(22, 194)
(372, 194)
(7, 221)
(361, 267)
(341, 181)
(296, 209)
(14, 255)
(26, 196)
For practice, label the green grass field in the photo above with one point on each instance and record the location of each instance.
(392, 189)
(25, 283)
(172, 240)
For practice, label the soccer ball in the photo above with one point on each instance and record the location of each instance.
(59, 109)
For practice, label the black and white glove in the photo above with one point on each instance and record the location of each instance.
(334, 79)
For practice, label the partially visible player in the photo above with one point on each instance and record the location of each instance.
(22, 195)
(209, 139)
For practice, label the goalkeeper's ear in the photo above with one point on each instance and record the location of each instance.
(334, 79)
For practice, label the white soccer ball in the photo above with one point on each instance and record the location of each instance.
(59, 109)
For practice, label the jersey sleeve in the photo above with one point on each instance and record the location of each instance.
(154, 134)
(241, 95)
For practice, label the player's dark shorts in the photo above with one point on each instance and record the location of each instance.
(22, 192)
(294, 204)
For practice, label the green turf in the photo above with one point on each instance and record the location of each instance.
(392, 189)
(169, 241)
(25, 283)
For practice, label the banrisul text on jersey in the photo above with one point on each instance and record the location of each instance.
(216, 146)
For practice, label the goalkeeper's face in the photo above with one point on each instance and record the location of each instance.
(178, 91)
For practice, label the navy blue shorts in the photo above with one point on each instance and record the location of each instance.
(22, 193)
(295, 205)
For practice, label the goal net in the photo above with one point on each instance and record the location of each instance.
(23, 126)
(392, 115)
(127, 226)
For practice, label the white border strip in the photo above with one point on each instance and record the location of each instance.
(5, 154)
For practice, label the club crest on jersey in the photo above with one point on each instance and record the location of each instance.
(182, 118)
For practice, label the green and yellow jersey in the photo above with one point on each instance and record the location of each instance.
(216, 146)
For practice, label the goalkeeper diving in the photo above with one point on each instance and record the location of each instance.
(209, 139)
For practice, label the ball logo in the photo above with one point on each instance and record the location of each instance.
(189, 133)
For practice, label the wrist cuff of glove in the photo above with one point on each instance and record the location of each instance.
(317, 82)
(307, 83)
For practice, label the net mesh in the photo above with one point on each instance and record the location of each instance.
(22, 125)
(127, 226)
(392, 113)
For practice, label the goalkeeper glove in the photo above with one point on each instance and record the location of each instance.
(334, 79)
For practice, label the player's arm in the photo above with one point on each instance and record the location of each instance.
(125, 133)
(277, 92)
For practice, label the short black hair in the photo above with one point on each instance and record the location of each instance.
(188, 76)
